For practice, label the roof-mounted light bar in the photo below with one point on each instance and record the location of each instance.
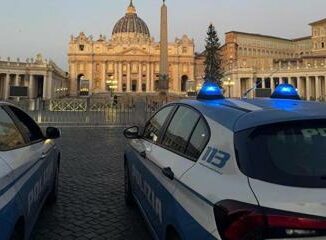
(286, 91)
(210, 91)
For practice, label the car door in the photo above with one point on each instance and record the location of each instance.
(171, 160)
(141, 169)
(31, 164)
(11, 139)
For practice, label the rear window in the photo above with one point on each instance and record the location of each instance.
(291, 153)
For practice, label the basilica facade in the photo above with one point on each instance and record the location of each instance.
(130, 58)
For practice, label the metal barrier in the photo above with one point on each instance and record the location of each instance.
(87, 111)
(128, 110)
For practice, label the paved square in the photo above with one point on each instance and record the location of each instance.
(91, 196)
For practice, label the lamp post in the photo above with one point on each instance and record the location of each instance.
(112, 84)
(229, 83)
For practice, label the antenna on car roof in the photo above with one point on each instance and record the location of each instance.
(245, 94)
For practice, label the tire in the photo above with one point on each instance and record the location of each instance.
(129, 198)
(172, 235)
(18, 233)
(53, 196)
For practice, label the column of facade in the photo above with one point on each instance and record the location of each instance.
(318, 87)
(148, 77)
(263, 84)
(251, 85)
(299, 87)
(50, 86)
(103, 82)
(116, 76)
(308, 88)
(128, 77)
(272, 84)
(7, 87)
(140, 75)
(120, 76)
(31, 86)
(152, 77)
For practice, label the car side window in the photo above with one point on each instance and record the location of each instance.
(27, 124)
(154, 126)
(198, 140)
(10, 136)
(180, 129)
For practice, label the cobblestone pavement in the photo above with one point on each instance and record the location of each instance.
(91, 196)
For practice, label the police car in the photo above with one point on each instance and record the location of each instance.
(216, 168)
(29, 168)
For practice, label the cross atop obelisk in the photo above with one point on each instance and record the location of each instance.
(164, 63)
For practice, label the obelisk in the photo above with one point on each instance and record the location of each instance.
(164, 62)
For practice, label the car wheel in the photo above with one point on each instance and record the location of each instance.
(53, 196)
(129, 199)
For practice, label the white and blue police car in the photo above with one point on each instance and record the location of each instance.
(216, 168)
(29, 168)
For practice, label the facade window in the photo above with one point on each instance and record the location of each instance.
(143, 87)
(322, 45)
(81, 47)
(124, 87)
(184, 50)
(144, 75)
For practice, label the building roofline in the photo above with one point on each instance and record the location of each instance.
(317, 22)
(268, 36)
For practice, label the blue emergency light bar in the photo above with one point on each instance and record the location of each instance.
(210, 91)
(286, 91)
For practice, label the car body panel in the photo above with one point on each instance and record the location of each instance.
(26, 179)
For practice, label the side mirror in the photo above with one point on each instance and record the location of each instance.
(131, 132)
(52, 133)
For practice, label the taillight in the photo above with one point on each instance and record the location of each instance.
(241, 221)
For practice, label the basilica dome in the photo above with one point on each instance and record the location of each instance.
(131, 23)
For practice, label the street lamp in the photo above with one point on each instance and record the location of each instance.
(112, 84)
(229, 83)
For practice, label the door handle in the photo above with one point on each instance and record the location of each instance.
(143, 154)
(168, 173)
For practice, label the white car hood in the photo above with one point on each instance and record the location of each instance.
(310, 201)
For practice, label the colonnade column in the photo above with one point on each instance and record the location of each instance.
(7, 87)
(140, 77)
(45, 86)
(17, 80)
(31, 86)
(128, 77)
(148, 77)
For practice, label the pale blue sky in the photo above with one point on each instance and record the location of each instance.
(32, 26)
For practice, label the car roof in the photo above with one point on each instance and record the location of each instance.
(238, 115)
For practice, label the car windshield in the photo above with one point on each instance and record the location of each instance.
(291, 153)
